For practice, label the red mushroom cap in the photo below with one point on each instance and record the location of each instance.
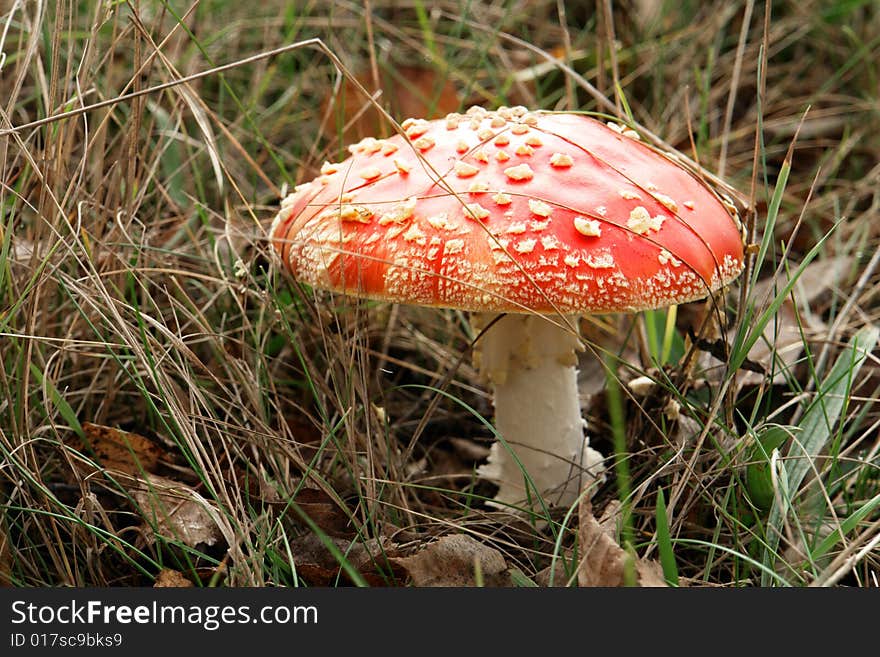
(511, 211)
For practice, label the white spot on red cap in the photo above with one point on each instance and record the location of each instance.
(666, 258)
(524, 150)
(540, 208)
(415, 234)
(600, 261)
(525, 246)
(416, 129)
(520, 172)
(400, 213)
(402, 165)
(424, 143)
(475, 211)
(327, 168)
(501, 140)
(640, 221)
(356, 213)
(438, 221)
(588, 227)
(550, 242)
(370, 173)
(394, 231)
(465, 170)
(561, 160)
(502, 199)
(497, 243)
(454, 246)
(667, 201)
(502, 156)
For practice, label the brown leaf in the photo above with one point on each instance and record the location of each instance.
(120, 450)
(604, 562)
(451, 561)
(176, 510)
(373, 559)
(169, 578)
(324, 511)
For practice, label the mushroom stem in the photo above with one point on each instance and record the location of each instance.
(530, 361)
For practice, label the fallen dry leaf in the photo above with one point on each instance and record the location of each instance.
(451, 561)
(123, 451)
(324, 511)
(372, 559)
(176, 510)
(603, 562)
(169, 578)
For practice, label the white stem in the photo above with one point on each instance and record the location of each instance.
(530, 361)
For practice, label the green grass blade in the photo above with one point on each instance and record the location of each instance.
(848, 525)
(817, 427)
(60, 403)
(664, 542)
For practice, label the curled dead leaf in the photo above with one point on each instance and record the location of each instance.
(453, 560)
(603, 561)
(373, 559)
(170, 578)
(324, 511)
(123, 451)
(175, 510)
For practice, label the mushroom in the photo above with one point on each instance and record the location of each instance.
(528, 219)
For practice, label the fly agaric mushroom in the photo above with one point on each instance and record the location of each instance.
(537, 217)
